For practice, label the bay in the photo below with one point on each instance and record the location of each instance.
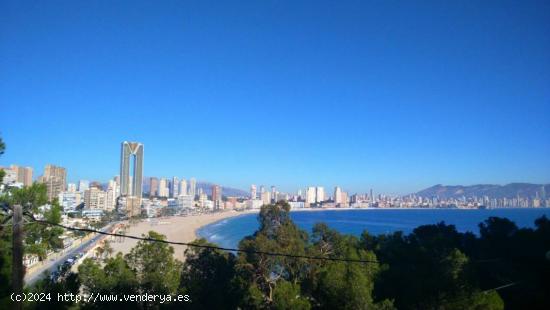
(228, 232)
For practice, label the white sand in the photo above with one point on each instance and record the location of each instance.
(175, 228)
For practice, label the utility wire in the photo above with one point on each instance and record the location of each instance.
(211, 247)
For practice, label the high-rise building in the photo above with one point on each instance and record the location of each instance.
(95, 198)
(113, 191)
(69, 200)
(310, 195)
(273, 193)
(129, 150)
(216, 196)
(83, 185)
(337, 195)
(266, 198)
(163, 188)
(71, 187)
(131, 188)
(183, 187)
(174, 187)
(192, 187)
(24, 174)
(55, 179)
(262, 190)
(253, 194)
(153, 187)
(319, 194)
(344, 199)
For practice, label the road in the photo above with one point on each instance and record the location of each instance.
(51, 264)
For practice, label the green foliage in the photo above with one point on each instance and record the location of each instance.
(39, 238)
(69, 285)
(154, 265)
(286, 296)
(209, 276)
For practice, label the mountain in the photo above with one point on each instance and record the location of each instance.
(206, 187)
(493, 191)
(226, 191)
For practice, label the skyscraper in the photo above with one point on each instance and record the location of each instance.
(163, 188)
(310, 195)
(337, 195)
(253, 191)
(55, 179)
(24, 174)
(320, 194)
(192, 187)
(131, 150)
(273, 194)
(216, 196)
(183, 187)
(83, 185)
(131, 188)
(153, 187)
(174, 187)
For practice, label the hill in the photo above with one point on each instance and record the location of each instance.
(494, 191)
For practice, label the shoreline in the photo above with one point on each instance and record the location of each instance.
(185, 228)
(175, 228)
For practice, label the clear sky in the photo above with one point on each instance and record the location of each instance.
(390, 95)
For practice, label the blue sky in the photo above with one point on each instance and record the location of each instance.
(390, 95)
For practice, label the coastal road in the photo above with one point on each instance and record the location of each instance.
(52, 264)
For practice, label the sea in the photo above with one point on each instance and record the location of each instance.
(228, 232)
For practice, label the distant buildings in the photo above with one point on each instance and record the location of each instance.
(69, 200)
(83, 185)
(153, 187)
(319, 194)
(163, 188)
(266, 198)
(216, 196)
(18, 174)
(253, 194)
(174, 187)
(273, 194)
(192, 187)
(337, 195)
(183, 188)
(55, 179)
(95, 198)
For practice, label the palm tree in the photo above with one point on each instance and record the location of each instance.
(99, 252)
(108, 249)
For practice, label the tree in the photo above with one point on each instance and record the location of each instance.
(338, 284)
(108, 249)
(154, 265)
(286, 296)
(209, 277)
(277, 233)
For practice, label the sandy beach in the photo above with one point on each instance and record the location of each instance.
(175, 228)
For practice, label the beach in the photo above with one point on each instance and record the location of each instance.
(175, 228)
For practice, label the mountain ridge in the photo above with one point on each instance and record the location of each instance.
(510, 190)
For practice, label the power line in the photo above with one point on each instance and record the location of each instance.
(500, 287)
(211, 247)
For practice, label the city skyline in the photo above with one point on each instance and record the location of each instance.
(355, 95)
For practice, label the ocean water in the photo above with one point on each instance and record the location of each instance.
(228, 232)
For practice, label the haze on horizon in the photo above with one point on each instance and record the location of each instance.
(392, 96)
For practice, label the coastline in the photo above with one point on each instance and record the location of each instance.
(185, 228)
(175, 228)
